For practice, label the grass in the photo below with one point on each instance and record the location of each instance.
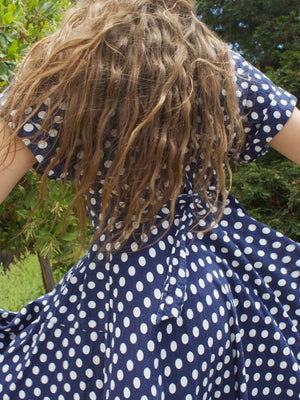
(21, 284)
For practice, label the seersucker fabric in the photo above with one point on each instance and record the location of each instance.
(190, 316)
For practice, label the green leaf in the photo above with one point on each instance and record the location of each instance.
(33, 5)
(12, 50)
(7, 18)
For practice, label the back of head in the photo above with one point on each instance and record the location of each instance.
(140, 81)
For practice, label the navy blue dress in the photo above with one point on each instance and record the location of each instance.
(192, 317)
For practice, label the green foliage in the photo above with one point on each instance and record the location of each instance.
(45, 231)
(270, 189)
(21, 24)
(266, 32)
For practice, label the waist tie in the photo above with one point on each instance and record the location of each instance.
(174, 292)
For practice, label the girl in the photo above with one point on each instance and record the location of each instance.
(181, 295)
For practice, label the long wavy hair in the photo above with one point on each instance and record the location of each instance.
(140, 83)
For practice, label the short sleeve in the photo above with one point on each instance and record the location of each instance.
(265, 106)
(42, 144)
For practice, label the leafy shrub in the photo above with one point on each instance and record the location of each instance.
(270, 190)
(21, 24)
(43, 232)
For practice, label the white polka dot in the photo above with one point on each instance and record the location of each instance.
(28, 127)
(147, 373)
(290, 248)
(277, 114)
(137, 383)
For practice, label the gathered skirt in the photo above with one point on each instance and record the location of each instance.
(191, 317)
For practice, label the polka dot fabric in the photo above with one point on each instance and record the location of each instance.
(192, 317)
(267, 107)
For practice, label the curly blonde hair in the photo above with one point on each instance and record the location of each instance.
(144, 76)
